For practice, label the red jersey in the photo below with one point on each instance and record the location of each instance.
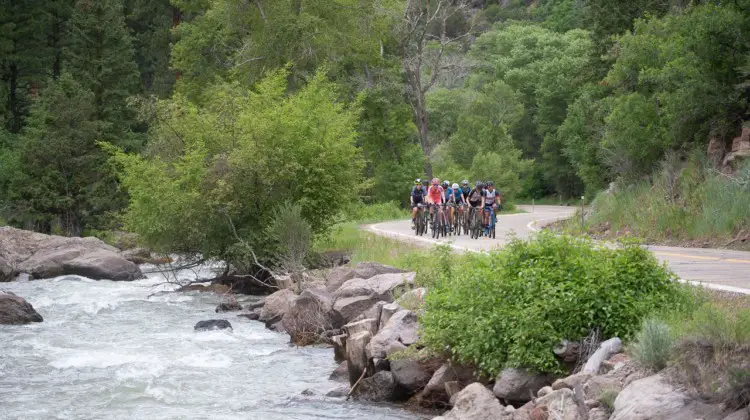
(435, 194)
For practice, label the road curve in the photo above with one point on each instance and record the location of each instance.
(714, 268)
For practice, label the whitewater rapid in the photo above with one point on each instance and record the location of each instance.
(127, 350)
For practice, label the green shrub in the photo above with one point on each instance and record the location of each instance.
(607, 398)
(372, 213)
(653, 345)
(511, 307)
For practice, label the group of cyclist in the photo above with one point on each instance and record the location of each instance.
(455, 198)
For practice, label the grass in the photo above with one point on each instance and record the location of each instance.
(683, 204)
(653, 345)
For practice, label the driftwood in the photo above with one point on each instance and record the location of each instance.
(606, 349)
(568, 351)
(356, 384)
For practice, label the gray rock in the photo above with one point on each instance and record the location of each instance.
(252, 316)
(212, 324)
(309, 315)
(435, 394)
(350, 308)
(339, 392)
(561, 404)
(7, 272)
(276, 305)
(43, 256)
(336, 277)
(368, 325)
(379, 387)
(519, 384)
(366, 269)
(373, 312)
(743, 414)
(341, 373)
(386, 312)
(14, 310)
(380, 287)
(137, 255)
(475, 402)
(599, 413)
(595, 386)
(571, 381)
(355, 355)
(544, 391)
(228, 307)
(401, 328)
(411, 375)
(413, 299)
(654, 398)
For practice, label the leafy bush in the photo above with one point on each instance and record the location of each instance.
(653, 345)
(511, 307)
(293, 236)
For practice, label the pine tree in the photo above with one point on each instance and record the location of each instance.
(150, 22)
(60, 181)
(100, 56)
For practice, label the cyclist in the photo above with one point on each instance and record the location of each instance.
(447, 199)
(416, 198)
(465, 190)
(457, 199)
(435, 195)
(475, 198)
(489, 203)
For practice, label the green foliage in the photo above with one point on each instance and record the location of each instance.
(372, 213)
(217, 173)
(511, 307)
(292, 235)
(56, 173)
(607, 398)
(653, 345)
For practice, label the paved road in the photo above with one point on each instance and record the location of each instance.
(715, 268)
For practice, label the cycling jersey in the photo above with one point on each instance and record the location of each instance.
(457, 193)
(435, 194)
(448, 194)
(465, 191)
(475, 197)
(417, 194)
(489, 197)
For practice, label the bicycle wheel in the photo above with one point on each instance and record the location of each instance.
(493, 220)
(435, 222)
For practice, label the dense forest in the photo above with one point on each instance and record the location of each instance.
(190, 121)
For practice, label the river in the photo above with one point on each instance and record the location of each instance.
(127, 350)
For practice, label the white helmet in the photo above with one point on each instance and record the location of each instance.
(455, 186)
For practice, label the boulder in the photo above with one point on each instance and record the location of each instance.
(595, 386)
(228, 307)
(340, 374)
(339, 392)
(43, 256)
(380, 287)
(137, 255)
(386, 312)
(14, 310)
(353, 328)
(367, 269)
(561, 405)
(212, 324)
(373, 312)
(435, 393)
(599, 413)
(743, 414)
(252, 316)
(401, 328)
(571, 381)
(349, 308)
(276, 305)
(310, 315)
(475, 402)
(411, 374)
(258, 304)
(336, 277)
(339, 347)
(355, 355)
(519, 385)
(379, 387)
(7, 273)
(544, 391)
(655, 398)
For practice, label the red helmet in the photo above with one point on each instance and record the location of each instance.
(435, 181)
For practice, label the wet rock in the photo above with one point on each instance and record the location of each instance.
(308, 392)
(251, 306)
(519, 384)
(348, 309)
(411, 374)
(219, 289)
(655, 398)
(355, 354)
(14, 310)
(380, 287)
(339, 392)
(379, 387)
(228, 307)
(435, 394)
(276, 305)
(341, 374)
(212, 324)
(252, 316)
(44, 256)
(401, 328)
(475, 402)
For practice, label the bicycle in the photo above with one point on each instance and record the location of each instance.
(492, 222)
(438, 226)
(458, 219)
(420, 222)
(476, 224)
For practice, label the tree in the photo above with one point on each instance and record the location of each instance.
(99, 55)
(151, 24)
(427, 34)
(59, 178)
(214, 175)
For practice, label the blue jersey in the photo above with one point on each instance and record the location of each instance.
(457, 193)
(448, 194)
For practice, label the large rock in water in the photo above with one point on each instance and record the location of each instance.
(276, 305)
(379, 387)
(213, 324)
(14, 310)
(309, 315)
(43, 256)
(655, 398)
(475, 402)
(7, 273)
(380, 287)
(519, 385)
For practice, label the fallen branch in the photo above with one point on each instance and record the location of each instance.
(606, 349)
(364, 371)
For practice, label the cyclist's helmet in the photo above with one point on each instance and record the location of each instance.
(445, 184)
(417, 181)
(465, 182)
(425, 183)
(479, 184)
(455, 186)
(490, 184)
(435, 181)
